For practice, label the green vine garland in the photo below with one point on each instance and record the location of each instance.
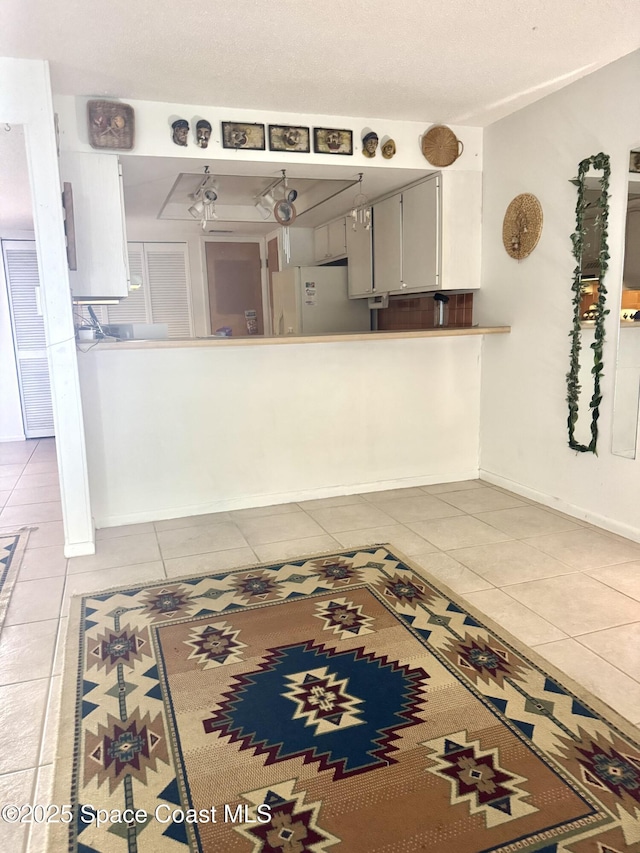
(598, 161)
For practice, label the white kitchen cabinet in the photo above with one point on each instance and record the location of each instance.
(321, 243)
(405, 240)
(460, 230)
(301, 244)
(329, 241)
(420, 237)
(98, 207)
(387, 244)
(427, 236)
(360, 257)
(338, 238)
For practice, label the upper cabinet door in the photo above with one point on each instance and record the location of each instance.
(329, 241)
(421, 237)
(360, 256)
(387, 244)
(337, 238)
(101, 247)
(321, 243)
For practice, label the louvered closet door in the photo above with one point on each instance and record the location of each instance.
(167, 272)
(164, 294)
(136, 308)
(21, 266)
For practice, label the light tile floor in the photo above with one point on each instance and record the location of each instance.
(564, 587)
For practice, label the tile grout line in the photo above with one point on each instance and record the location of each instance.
(580, 572)
(531, 580)
(564, 630)
(526, 607)
(43, 725)
(164, 566)
(604, 660)
(614, 588)
(560, 560)
(597, 654)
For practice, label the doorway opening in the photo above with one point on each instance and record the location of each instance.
(235, 287)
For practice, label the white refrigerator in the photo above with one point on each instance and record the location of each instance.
(315, 301)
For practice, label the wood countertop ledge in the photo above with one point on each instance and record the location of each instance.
(268, 340)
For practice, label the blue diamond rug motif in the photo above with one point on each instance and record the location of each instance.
(342, 709)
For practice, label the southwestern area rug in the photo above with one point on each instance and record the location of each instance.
(12, 547)
(345, 703)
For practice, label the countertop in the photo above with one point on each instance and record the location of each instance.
(268, 340)
(624, 324)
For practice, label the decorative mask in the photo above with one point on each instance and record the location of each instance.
(180, 131)
(388, 149)
(203, 133)
(369, 144)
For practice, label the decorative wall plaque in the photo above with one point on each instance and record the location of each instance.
(287, 138)
(111, 125)
(243, 135)
(327, 140)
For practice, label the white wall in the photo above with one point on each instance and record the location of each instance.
(523, 422)
(178, 405)
(25, 98)
(183, 431)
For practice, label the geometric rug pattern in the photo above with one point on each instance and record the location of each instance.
(340, 703)
(12, 547)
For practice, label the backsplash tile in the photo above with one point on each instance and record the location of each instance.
(630, 299)
(406, 313)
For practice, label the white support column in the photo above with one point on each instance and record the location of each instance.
(25, 98)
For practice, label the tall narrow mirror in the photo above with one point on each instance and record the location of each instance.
(589, 298)
(626, 405)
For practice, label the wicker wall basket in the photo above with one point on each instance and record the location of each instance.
(522, 226)
(111, 124)
(440, 146)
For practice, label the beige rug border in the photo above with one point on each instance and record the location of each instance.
(14, 568)
(63, 766)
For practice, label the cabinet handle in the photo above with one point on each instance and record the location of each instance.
(403, 284)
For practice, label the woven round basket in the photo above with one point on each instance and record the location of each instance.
(522, 226)
(440, 146)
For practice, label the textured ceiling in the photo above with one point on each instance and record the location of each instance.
(455, 61)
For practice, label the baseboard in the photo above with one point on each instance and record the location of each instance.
(251, 501)
(80, 549)
(20, 437)
(578, 512)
